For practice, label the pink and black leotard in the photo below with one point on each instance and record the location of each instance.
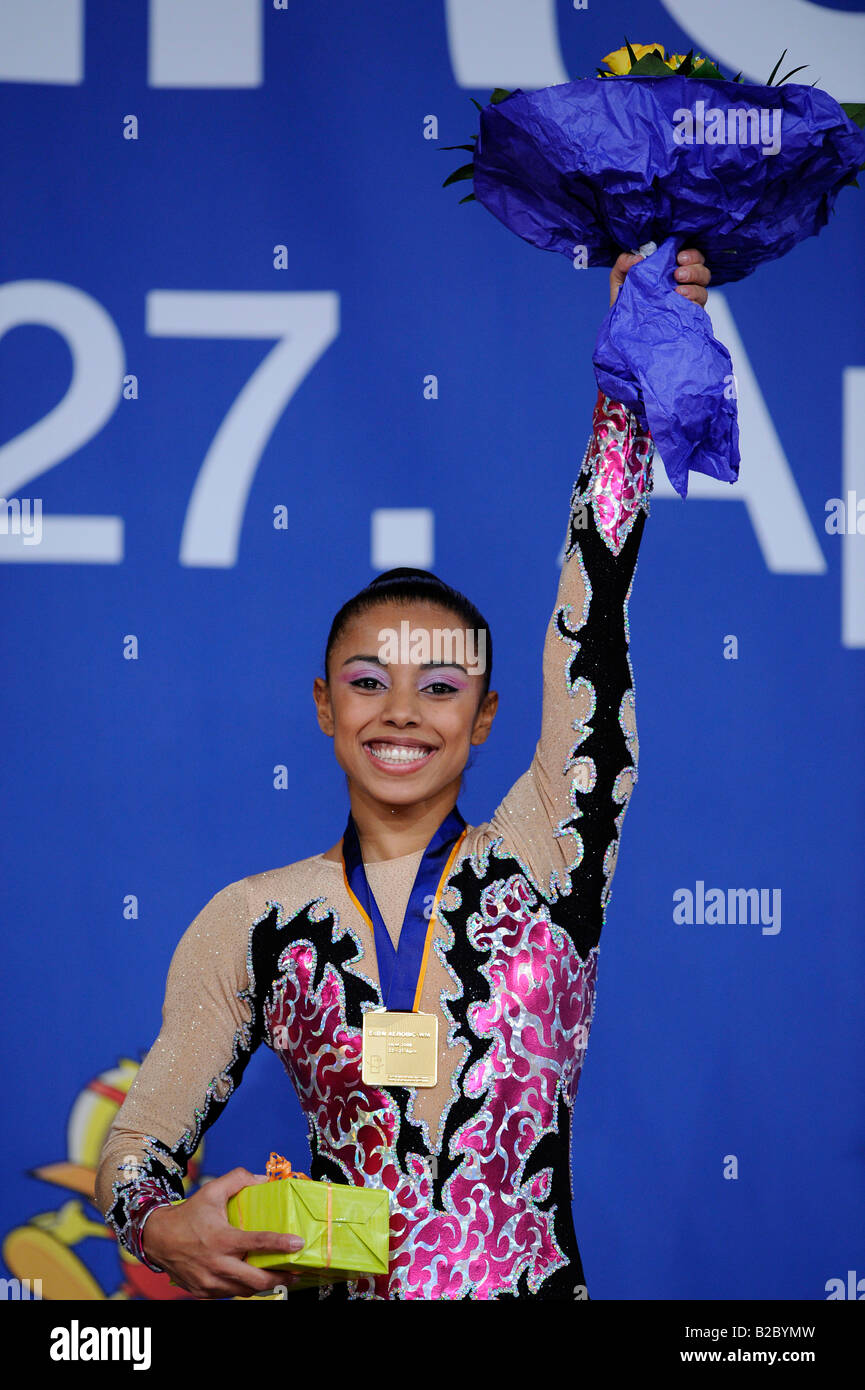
(477, 1167)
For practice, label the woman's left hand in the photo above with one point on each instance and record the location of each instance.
(692, 275)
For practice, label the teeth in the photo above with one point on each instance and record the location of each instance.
(391, 753)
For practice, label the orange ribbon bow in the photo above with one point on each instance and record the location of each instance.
(279, 1167)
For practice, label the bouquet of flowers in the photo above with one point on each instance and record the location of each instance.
(656, 154)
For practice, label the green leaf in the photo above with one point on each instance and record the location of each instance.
(792, 73)
(631, 54)
(477, 103)
(469, 198)
(650, 65)
(499, 95)
(708, 69)
(775, 68)
(856, 111)
(470, 148)
(466, 171)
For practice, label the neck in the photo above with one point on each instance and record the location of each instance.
(386, 832)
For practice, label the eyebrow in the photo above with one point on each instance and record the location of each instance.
(424, 665)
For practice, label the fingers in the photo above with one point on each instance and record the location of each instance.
(249, 1280)
(625, 261)
(234, 1278)
(270, 1240)
(622, 265)
(245, 1279)
(285, 1282)
(221, 1188)
(696, 293)
(692, 268)
(692, 275)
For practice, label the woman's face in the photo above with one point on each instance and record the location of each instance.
(402, 700)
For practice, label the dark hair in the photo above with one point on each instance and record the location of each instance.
(411, 586)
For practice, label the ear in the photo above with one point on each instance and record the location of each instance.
(485, 716)
(323, 706)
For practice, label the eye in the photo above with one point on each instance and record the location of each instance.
(367, 683)
(440, 688)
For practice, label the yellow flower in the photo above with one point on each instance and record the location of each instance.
(620, 62)
(675, 60)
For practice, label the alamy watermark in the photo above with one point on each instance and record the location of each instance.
(733, 125)
(728, 907)
(77, 1343)
(20, 1289)
(850, 1288)
(439, 646)
(845, 516)
(22, 517)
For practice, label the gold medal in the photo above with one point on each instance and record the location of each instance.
(399, 1049)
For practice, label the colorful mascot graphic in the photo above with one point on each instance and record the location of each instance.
(42, 1249)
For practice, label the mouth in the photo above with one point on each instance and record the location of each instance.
(397, 756)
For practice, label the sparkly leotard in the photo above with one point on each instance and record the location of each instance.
(478, 1167)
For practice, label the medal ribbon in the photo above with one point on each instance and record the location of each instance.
(401, 972)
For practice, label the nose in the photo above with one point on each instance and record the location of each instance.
(402, 702)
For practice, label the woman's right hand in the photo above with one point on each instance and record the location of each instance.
(691, 272)
(197, 1245)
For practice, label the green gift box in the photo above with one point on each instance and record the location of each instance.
(346, 1230)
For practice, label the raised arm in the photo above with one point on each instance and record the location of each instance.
(563, 817)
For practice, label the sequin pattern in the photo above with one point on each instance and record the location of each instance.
(137, 1198)
(535, 1021)
(618, 457)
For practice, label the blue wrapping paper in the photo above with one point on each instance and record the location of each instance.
(657, 354)
(596, 164)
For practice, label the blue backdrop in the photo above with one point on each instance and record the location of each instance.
(241, 323)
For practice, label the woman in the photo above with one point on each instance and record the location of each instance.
(476, 1153)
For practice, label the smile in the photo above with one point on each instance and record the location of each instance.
(398, 757)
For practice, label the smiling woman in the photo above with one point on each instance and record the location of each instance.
(403, 729)
(428, 985)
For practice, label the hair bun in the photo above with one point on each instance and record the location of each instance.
(404, 572)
